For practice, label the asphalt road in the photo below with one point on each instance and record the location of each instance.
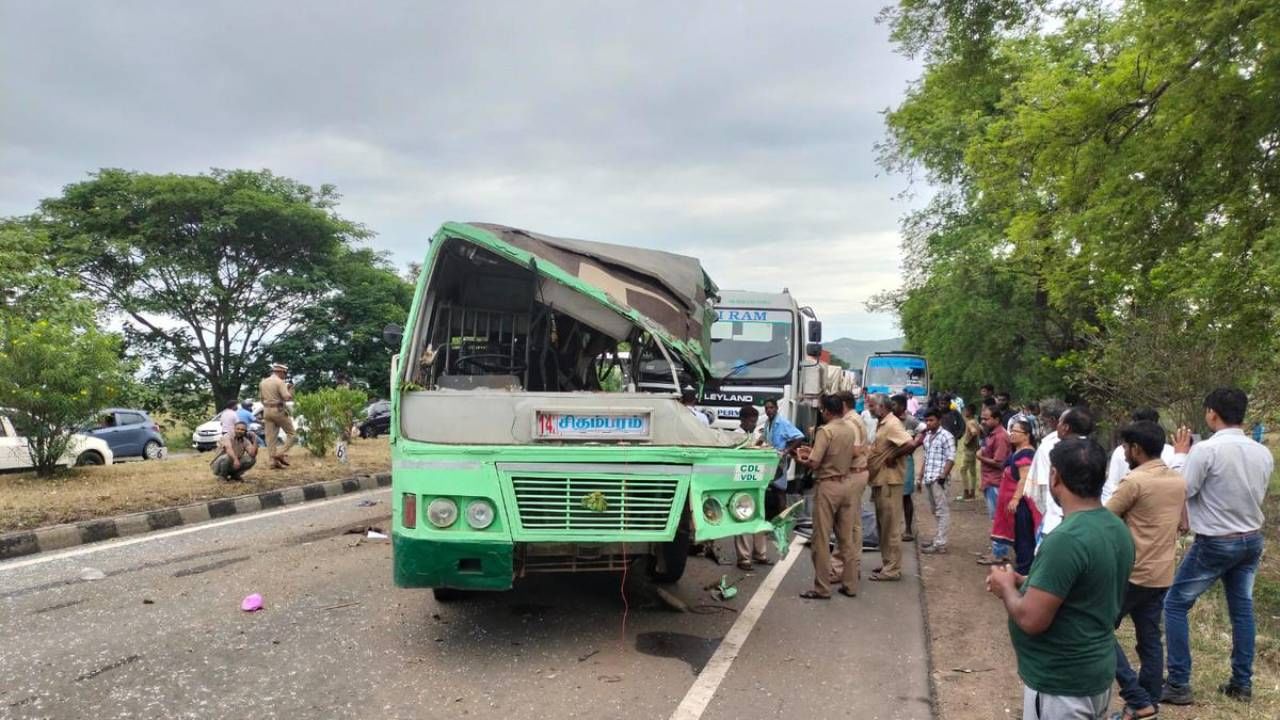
(161, 635)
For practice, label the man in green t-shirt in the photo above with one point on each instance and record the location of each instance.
(1062, 615)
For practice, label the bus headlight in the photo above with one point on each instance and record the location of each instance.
(442, 512)
(479, 514)
(712, 510)
(743, 506)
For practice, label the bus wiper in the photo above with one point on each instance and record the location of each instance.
(757, 361)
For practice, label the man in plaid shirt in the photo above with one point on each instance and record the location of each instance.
(939, 457)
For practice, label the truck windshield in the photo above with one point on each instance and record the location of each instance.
(751, 344)
(894, 372)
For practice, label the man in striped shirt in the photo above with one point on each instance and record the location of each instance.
(939, 458)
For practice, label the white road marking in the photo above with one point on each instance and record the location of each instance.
(113, 544)
(704, 688)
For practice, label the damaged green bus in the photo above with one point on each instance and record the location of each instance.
(521, 440)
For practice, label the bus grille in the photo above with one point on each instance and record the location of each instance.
(631, 504)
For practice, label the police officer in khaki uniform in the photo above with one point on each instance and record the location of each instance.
(834, 507)
(275, 392)
(886, 468)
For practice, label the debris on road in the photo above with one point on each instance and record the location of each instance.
(251, 603)
(588, 656)
(341, 605)
(376, 535)
(971, 670)
(148, 601)
(609, 678)
(366, 503)
(725, 590)
(670, 600)
(90, 573)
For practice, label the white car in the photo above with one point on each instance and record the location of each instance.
(207, 435)
(83, 449)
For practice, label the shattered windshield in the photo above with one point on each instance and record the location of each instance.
(751, 344)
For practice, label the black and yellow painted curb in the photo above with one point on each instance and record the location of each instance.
(58, 537)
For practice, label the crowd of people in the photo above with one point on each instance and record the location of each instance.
(1080, 539)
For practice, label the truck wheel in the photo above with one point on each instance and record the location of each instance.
(447, 595)
(672, 556)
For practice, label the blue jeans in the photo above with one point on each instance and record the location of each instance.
(1001, 548)
(990, 494)
(1143, 606)
(1235, 562)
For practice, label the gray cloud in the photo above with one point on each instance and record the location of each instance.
(741, 133)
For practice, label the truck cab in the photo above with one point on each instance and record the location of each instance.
(764, 346)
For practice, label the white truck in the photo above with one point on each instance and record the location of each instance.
(764, 346)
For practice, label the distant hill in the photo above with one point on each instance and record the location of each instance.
(855, 352)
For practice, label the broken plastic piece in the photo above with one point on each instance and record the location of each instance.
(251, 603)
(375, 535)
(725, 590)
(92, 574)
(783, 524)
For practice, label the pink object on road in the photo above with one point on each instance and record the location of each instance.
(251, 603)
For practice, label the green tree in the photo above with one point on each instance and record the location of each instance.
(31, 284)
(206, 270)
(53, 378)
(341, 335)
(1108, 180)
(329, 414)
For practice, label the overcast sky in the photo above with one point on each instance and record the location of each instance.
(740, 133)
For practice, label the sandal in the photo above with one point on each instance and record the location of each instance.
(847, 592)
(881, 577)
(813, 595)
(762, 561)
(744, 565)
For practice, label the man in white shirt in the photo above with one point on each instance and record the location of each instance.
(1119, 467)
(689, 398)
(1227, 477)
(1075, 422)
(753, 549)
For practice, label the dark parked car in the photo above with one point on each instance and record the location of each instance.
(377, 419)
(129, 433)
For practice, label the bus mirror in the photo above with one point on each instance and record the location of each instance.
(813, 349)
(815, 331)
(392, 334)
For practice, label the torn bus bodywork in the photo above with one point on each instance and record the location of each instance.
(520, 440)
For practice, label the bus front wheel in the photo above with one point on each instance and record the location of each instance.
(670, 558)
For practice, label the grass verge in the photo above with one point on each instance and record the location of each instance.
(85, 493)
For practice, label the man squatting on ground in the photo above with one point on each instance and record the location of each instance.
(237, 453)
(1062, 615)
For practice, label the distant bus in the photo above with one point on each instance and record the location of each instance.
(892, 373)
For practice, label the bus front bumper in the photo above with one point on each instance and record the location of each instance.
(423, 563)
